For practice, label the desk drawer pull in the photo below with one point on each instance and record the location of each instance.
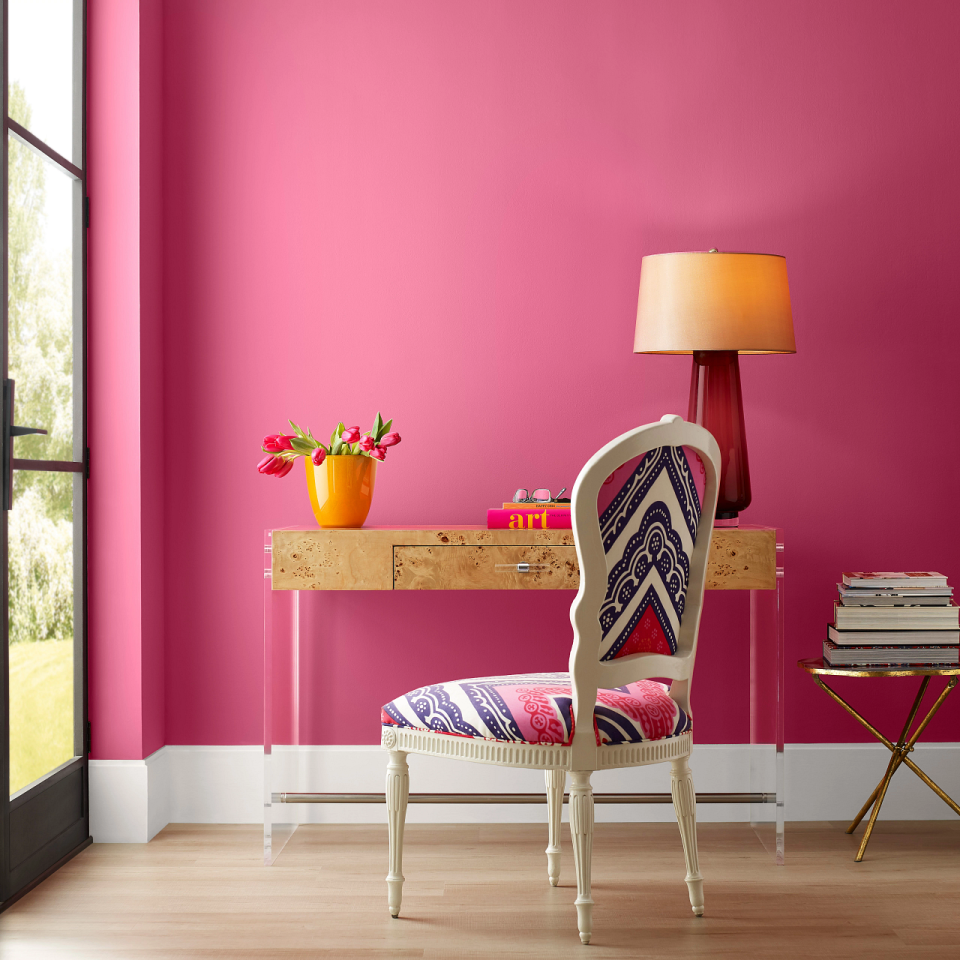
(521, 567)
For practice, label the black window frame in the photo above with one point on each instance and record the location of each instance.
(34, 815)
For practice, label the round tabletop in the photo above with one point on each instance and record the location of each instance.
(816, 665)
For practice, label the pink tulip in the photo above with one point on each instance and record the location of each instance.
(277, 442)
(270, 465)
(285, 469)
(367, 442)
(378, 453)
(318, 456)
(350, 435)
(390, 439)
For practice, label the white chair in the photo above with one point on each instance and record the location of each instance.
(643, 557)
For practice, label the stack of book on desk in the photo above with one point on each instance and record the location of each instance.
(893, 619)
(530, 516)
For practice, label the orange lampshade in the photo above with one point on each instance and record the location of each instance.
(714, 301)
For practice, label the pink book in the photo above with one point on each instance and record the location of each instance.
(915, 580)
(523, 518)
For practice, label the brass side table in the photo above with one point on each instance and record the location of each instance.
(818, 669)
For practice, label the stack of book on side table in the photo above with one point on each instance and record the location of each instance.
(893, 620)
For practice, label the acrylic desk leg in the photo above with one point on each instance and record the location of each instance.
(281, 683)
(766, 711)
(267, 697)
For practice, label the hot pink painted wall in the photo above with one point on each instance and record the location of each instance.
(440, 210)
(125, 357)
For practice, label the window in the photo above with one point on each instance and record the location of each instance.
(43, 469)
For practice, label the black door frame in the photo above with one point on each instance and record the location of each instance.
(48, 822)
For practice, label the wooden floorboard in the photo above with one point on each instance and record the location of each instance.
(480, 891)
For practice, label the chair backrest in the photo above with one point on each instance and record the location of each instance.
(642, 529)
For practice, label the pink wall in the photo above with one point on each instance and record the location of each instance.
(125, 541)
(152, 500)
(440, 210)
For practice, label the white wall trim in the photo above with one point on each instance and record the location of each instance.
(132, 800)
(119, 801)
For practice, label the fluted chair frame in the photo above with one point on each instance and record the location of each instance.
(588, 673)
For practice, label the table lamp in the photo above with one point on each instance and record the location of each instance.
(716, 306)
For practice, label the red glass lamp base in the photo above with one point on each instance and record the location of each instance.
(715, 403)
(733, 521)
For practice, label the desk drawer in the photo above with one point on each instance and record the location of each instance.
(485, 568)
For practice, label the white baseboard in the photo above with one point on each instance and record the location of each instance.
(119, 801)
(132, 800)
(129, 798)
(831, 781)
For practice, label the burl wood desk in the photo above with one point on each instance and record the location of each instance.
(475, 558)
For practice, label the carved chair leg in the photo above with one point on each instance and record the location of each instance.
(398, 789)
(685, 805)
(556, 780)
(581, 832)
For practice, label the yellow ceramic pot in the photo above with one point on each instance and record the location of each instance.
(341, 489)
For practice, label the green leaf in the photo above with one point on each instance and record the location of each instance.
(335, 447)
(296, 429)
(377, 424)
(302, 446)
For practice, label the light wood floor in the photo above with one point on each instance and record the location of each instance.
(482, 892)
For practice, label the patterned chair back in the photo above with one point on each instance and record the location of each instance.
(643, 510)
(649, 512)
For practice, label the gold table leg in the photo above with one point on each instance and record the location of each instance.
(899, 755)
(894, 759)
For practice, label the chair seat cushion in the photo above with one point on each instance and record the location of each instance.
(536, 708)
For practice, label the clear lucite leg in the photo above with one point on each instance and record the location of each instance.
(766, 711)
(281, 709)
(267, 696)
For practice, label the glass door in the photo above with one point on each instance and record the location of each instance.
(43, 464)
